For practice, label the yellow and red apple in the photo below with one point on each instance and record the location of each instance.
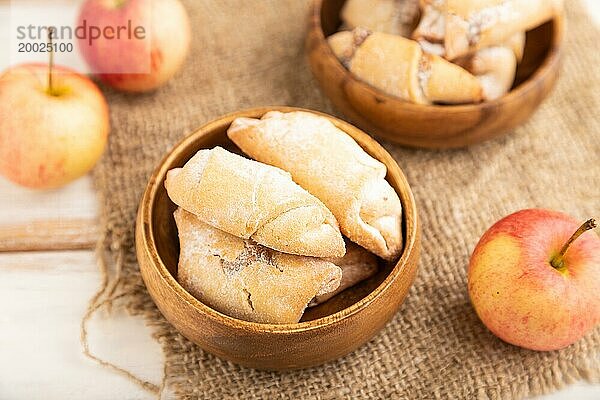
(534, 279)
(49, 136)
(134, 45)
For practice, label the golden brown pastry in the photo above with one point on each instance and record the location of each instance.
(496, 66)
(333, 167)
(454, 28)
(398, 17)
(357, 265)
(401, 68)
(245, 280)
(517, 44)
(344, 44)
(252, 200)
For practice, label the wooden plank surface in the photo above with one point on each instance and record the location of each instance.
(60, 234)
(43, 296)
(61, 219)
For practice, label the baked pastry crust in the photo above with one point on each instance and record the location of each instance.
(495, 67)
(333, 167)
(245, 280)
(397, 17)
(357, 265)
(252, 200)
(401, 68)
(460, 27)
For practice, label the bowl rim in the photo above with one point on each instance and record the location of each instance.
(411, 239)
(541, 72)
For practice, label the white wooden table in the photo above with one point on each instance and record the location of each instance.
(43, 295)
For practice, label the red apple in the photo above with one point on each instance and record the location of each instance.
(134, 45)
(49, 136)
(534, 279)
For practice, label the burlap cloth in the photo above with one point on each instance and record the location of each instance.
(246, 55)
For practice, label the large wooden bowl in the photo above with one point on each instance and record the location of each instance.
(435, 126)
(327, 331)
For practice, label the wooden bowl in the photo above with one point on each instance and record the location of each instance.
(327, 331)
(432, 126)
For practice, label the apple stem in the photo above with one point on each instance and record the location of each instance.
(51, 63)
(558, 261)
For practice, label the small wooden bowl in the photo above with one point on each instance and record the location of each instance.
(435, 126)
(327, 331)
